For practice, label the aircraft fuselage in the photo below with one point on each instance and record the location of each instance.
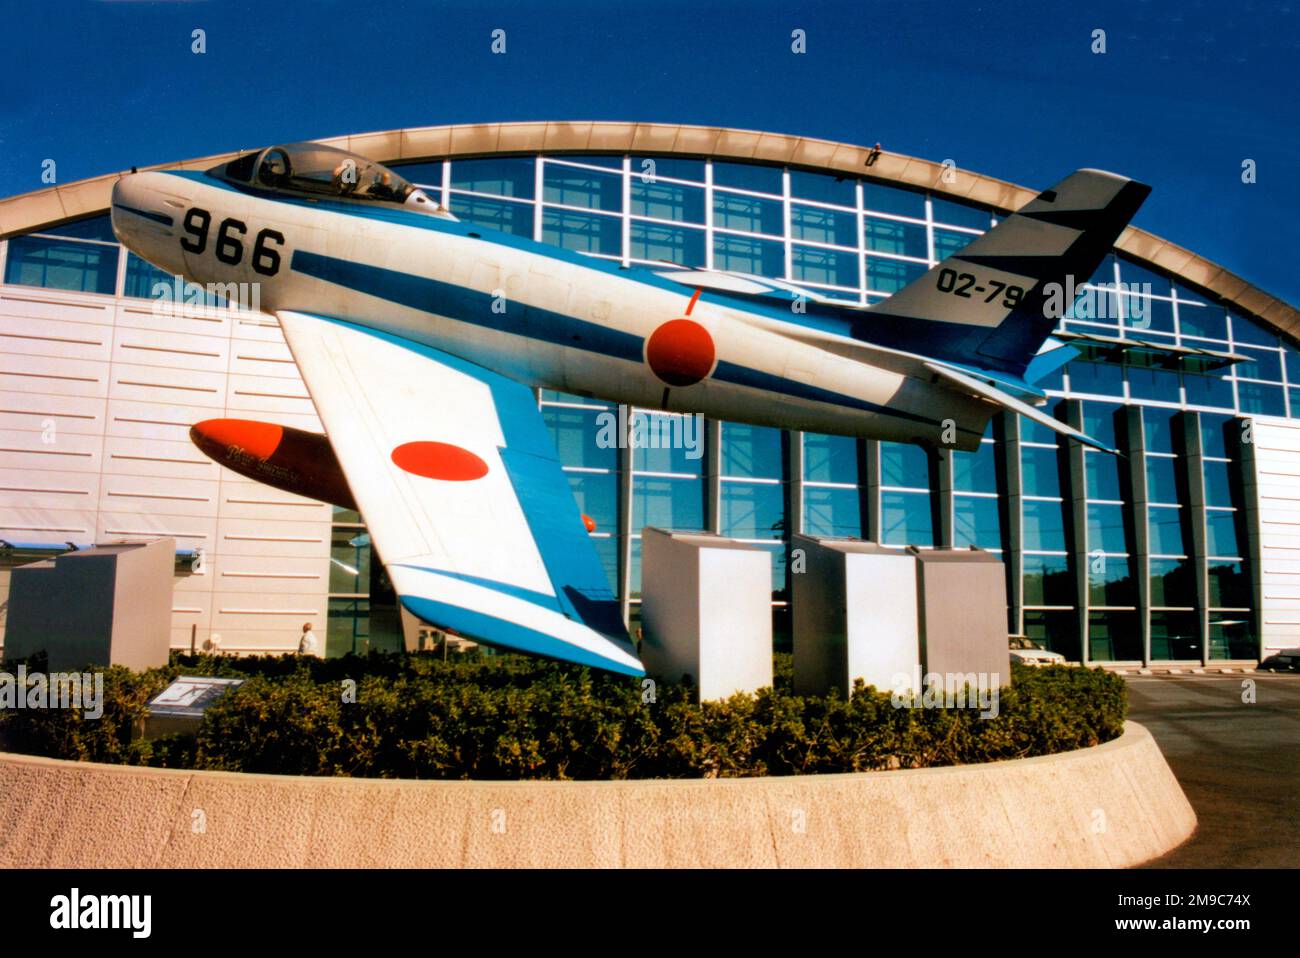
(545, 316)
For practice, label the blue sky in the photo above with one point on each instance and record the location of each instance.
(1184, 93)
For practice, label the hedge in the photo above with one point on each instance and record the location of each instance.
(511, 717)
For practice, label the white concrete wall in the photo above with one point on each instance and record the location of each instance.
(1029, 813)
(96, 398)
(1277, 468)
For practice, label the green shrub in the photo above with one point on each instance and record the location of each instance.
(511, 717)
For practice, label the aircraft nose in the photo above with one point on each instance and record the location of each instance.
(138, 205)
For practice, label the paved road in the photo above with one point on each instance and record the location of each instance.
(1238, 763)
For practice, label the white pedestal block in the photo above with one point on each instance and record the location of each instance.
(706, 611)
(854, 615)
(108, 605)
(963, 613)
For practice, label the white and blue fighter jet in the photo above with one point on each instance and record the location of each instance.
(420, 338)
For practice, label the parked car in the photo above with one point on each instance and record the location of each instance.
(1028, 652)
(1285, 660)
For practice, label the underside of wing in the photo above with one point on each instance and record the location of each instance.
(464, 496)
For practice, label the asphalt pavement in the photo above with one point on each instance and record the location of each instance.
(1237, 760)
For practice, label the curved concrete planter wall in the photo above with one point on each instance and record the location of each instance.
(1114, 805)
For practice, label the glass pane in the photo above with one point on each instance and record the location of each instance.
(753, 511)
(1106, 528)
(1172, 583)
(975, 522)
(824, 226)
(957, 214)
(1218, 483)
(584, 232)
(1208, 390)
(889, 199)
(830, 458)
(1229, 585)
(62, 264)
(1252, 333)
(652, 168)
(748, 176)
(891, 275)
(752, 451)
(1144, 315)
(905, 519)
(504, 176)
(1158, 429)
(828, 267)
(1221, 534)
(1044, 526)
(92, 228)
(674, 244)
(832, 512)
(1048, 581)
(671, 504)
(1040, 471)
(750, 214)
(947, 242)
(901, 239)
(585, 188)
(1263, 364)
(904, 464)
(1214, 434)
(349, 627)
(1261, 399)
(1232, 636)
(1099, 421)
(503, 215)
(1056, 631)
(1162, 480)
(839, 190)
(1101, 472)
(579, 437)
(664, 442)
(743, 254)
(1110, 581)
(1175, 635)
(597, 497)
(1140, 279)
(1114, 637)
(667, 201)
(1210, 322)
(350, 561)
(976, 471)
(1152, 383)
(1103, 379)
(1166, 531)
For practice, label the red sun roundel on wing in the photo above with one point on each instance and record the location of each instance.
(439, 460)
(680, 352)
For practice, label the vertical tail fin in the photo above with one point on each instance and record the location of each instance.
(988, 303)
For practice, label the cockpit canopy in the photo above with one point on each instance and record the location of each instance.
(315, 170)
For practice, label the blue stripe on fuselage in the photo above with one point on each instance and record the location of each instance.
(471, 306)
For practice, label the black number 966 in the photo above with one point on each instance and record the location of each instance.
(228, 248)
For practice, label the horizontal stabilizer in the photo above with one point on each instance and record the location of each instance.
(969, 384)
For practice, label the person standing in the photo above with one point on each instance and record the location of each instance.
(307, 644)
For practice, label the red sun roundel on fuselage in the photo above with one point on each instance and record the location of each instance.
(680, 352)
(439, 460)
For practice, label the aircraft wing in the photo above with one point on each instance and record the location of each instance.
(461, 489)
